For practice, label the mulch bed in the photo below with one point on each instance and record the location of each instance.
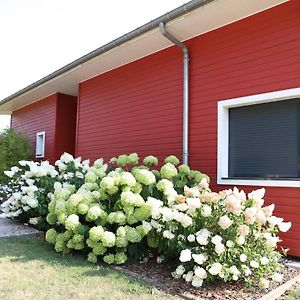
(160, 276)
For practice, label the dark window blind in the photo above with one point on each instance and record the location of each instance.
(263, 140)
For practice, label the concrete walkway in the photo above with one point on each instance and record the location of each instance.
(9, 228)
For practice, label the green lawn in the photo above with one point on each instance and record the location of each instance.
(31, 269)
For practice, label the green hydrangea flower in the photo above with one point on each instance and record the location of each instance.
(67, 235)
(132, 235)
(94, 212)
(122, 160)
(71, 222)
(121, 231)
(108, 239)
(137, 188)
(168, 171)
(51, 235)
(121, 241)
(172, 159)
(127, 179)
(120, 258)
(90, 177)
(109, 259)
(51, 218)
(184, 169)
(144, 176)
(70, 244)
(96, 233)
(83, 208)
(99, 249)
(107, 183)
(51, 206)
(164, 184)
(73, 202)
(78, 239)
(92, 258)
(91, 243)
(98, 163)
(150, 160)
(116, 217)
(133, 159)
(62, 218)
(142, 213)
(60, 247)
(131, 199)
(79, 246)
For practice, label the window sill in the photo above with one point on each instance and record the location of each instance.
(295, 182)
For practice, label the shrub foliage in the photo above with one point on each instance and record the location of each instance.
(126, 209)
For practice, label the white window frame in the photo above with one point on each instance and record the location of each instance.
(223, 137)
(38, 136)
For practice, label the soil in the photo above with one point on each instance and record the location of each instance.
(160, 276)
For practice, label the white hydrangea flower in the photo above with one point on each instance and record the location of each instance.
(217, 239)
(243, 257)
(200, 272)
(206, 210)
(277, 277)
(185, 255)
(254, 264)
(191, 238)
(215, 269)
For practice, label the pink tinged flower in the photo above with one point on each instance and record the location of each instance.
(240, 194)
(271, 241)
(225, 222)
(233, 204)
(260, 217)
(220, 249)
(243, 230)
(268, 210)
(274, 221)
(284, 226)
(203, 184)
(250, 214)
(257, 194)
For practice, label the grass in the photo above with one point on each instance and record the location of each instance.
(31, 269)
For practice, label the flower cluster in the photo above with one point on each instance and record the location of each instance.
(229, 236)
(125, 209)
(32, 184)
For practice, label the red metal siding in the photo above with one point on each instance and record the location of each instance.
(135, 108)
(39, 116)
(65, 131)
(138, 107)
(56, 115)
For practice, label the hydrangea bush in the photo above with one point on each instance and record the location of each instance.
(126, 209)
(32, 183)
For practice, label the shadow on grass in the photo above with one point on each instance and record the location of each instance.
(22, 250)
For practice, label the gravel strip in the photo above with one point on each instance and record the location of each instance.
(160, 275)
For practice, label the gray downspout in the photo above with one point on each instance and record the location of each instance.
(185, 145)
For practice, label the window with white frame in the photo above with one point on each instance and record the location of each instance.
(40, 145)
(259, 139)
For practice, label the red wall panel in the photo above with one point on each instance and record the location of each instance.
(39, 116)
(56, 115)
(135, 108)
(138, 107)
(65, 130)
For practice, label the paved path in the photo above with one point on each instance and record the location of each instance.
(9, 228)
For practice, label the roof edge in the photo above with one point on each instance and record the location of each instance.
(169, 16)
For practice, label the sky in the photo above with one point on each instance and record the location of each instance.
(40, 36)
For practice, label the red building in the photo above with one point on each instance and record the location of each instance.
(244, 86)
